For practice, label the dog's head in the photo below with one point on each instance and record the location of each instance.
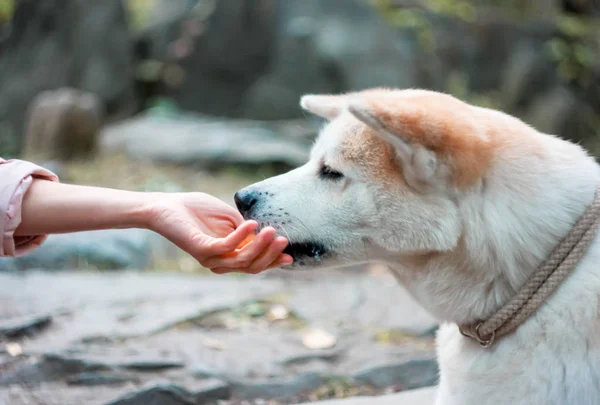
(382, 178)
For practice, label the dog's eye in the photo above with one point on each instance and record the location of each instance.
(330, 174)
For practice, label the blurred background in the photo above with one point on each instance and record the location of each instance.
(202, 95)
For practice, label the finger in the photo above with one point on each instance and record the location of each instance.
(269, 256)
(229, 243)
(237, 218)
(243, 258)
(223, 270)
(281, 261)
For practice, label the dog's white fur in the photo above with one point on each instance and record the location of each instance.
(462, 248)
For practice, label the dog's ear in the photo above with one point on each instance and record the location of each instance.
(418, 160)
(323, 105)
(436, 139)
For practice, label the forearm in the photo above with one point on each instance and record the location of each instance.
(50, 207)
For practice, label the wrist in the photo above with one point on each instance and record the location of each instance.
(143, 214)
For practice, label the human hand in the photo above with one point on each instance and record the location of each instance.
(210, 231)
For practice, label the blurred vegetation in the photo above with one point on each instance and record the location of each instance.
(573, 49)
(7, 7)
(139, 11)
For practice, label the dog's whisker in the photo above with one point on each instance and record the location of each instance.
(304, 226)
(287, 235)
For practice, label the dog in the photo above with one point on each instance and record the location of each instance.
(463, 204)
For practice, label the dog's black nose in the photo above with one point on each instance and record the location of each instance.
(245, 200)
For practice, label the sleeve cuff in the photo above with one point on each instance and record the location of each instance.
(16, 176)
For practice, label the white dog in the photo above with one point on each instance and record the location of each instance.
(463, 204)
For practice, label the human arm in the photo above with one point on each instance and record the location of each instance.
(203, 226)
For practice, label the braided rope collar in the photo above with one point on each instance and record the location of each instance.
(542, 283)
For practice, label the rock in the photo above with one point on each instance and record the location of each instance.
(23, 326)
(277, 389)
(352, 35)
(50, 367)
(298, 69)
(327, 355)
(208, 143)
(152, 303)
(204, 371)
(107, 249)
(217, 390)
(174, 395)
(423, 396)
(57, 43)
(95, 378)
(214, 52)
(157, 395)
(149, 366)
(360, 301)
(329, 47)
(116, 332)
(63, 124)
(409, 375)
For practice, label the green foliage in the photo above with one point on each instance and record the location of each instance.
(577, 27)
(7, 8)
(574, 50)
(413, 20)
(463, 10)
(139, 12)
(458, 85)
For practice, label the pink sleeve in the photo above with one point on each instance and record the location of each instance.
(16, 177)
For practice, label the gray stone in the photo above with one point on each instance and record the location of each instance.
(97, 378)
(298, 69)
(123, 332)
(329, 47)
(215, 391)
(23, 326)
(208, 143)
(423, 396)
(351, 35)
(410, 375)
(171, 394)
(365, 301)
(56, 43)
(215, 51)
(157, 395)
(327, 355)
(50, 367)
(62, 125)
(153, 302)
(148, 366)
(278, 388)
(107, 249)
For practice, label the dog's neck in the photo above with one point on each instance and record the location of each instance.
(506, 235)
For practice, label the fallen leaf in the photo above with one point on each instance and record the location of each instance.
(318, 339)
(278, 312)
(213, 344)
(14, 349)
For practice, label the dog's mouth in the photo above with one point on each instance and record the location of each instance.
(306, 250)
